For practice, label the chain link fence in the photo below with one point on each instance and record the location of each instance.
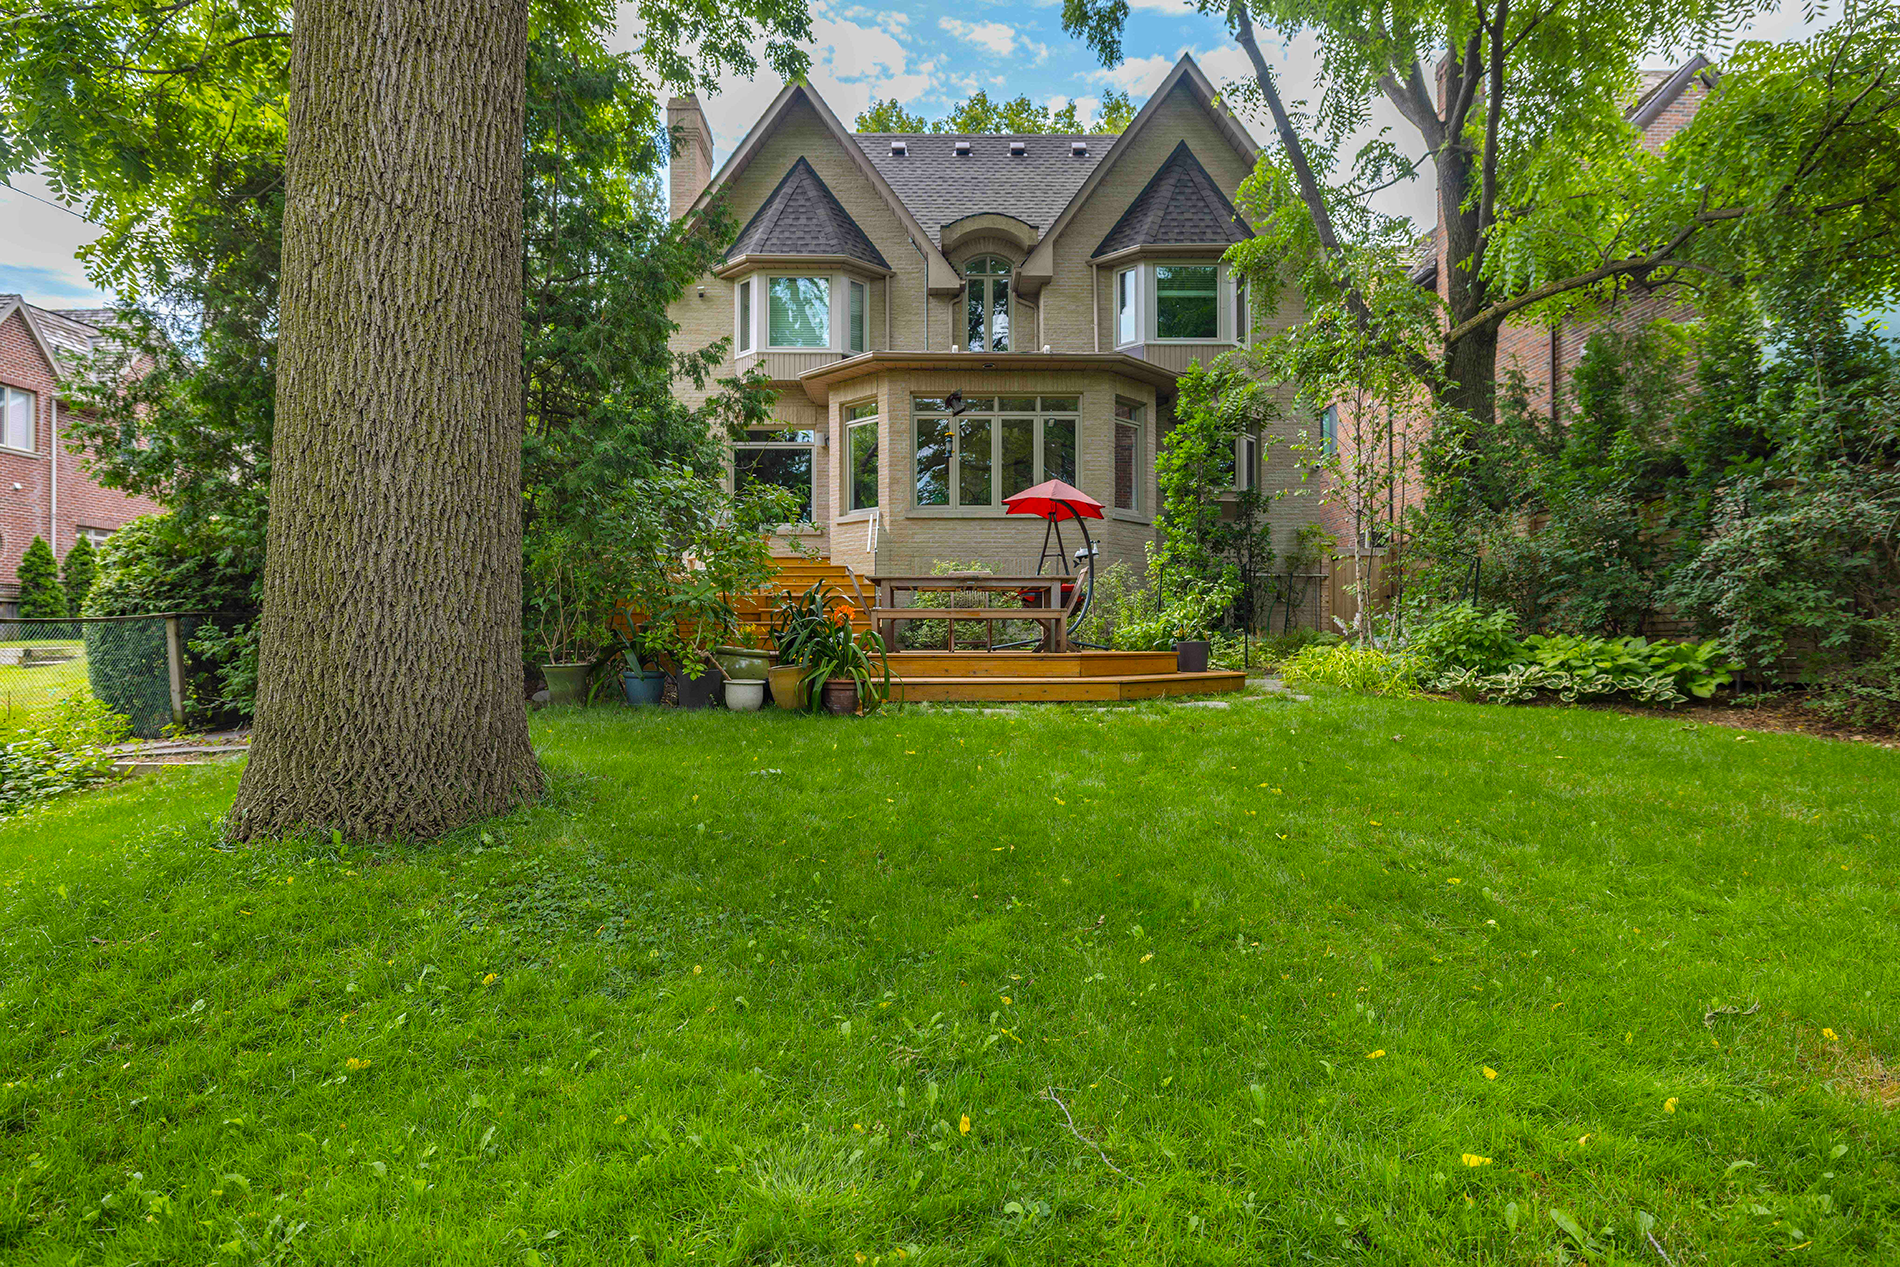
(138, 666)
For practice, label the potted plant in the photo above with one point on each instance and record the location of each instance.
(799, 621)
(743, 659)
(566, 603)
(642, 679)
(841, 667)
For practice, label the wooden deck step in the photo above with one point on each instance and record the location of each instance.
(1127, 686)
(1029, 664)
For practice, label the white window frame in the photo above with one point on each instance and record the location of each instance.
(1243, 315)
(12, 398)
(857, 295)
(1152, 285)
(742, 316)
(1139, 425)
(995, 416)
(1246, 461)
(831, 312)
(1127, 289)
(847, 426)
(97, 536)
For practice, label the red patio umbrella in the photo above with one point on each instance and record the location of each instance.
(1055, 501)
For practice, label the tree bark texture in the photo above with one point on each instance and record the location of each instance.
(389, 698)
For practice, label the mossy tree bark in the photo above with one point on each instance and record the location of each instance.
(389, 697)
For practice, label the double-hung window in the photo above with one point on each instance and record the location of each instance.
(986, 304)
(996, 448)
(860, 455)
(16, 419)
(780, 457)
(1128, 455)
(1187, 302)
(798, 312)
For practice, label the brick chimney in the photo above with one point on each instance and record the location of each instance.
(692, 152)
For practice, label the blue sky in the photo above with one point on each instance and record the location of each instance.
(927, 55)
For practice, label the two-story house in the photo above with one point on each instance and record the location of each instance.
(949, 319)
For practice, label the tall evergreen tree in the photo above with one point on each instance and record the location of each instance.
(77, 573)
(40, 594)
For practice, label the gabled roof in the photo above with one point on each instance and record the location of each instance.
(57, 333)
(1180, 206)
(1040, 266)
(941, 186)
(941, 277)
(803, 217)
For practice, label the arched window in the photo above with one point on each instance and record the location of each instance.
(987, 303)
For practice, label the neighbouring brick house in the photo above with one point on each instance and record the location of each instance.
(44, 489)
(1057, 284)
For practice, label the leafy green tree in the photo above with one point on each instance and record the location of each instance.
(979, 116)
(1549, 203)
(77, 573)
(40, 594)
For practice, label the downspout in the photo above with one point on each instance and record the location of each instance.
(52, 507)
(1095, 302)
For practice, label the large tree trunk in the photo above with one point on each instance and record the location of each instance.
(389, 697)
(1471, 363)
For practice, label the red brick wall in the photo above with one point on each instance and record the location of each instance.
(26, 480)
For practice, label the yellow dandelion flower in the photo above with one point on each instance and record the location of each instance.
(1669, 1105)
(1490, 1073)
(697, 969)
(1830, 1035)
(1374, 1055)
(620, 1118)
(963, 1124)
(1006, 1000)
(490, 979)
(356, 1064)
(1453, 880)
(1472, 1159)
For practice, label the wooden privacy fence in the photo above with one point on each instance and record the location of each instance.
(1376, 583)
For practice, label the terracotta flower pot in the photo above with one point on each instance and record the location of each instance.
(841, 696)
(789, 690)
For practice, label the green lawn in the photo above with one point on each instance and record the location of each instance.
(760, 989)
(28, 690)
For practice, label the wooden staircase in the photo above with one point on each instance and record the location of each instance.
(795, 576)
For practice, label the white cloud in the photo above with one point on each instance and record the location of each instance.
(38, 243)
(998, 37)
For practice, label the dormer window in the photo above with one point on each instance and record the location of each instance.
(900, 149)
(963, 149)
(1018, 149)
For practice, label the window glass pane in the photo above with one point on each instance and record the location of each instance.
(1128, 410)
(1249, 461)
(999, 316)
(1019, 454)
(1241, 332)
(1017, 404)
(974, 340)
(1058, 449)
(1127, 445)
(1185, 301)
(1329, 429)
(863, 459)
(1060, 404)
(974, 461)
(863, 409)
(933, 461)
(745, 315)
(784, 468)
(979, 405)
(800, 312)
(780, 435)
(1125, 306)
(928, 404)
(857, 316)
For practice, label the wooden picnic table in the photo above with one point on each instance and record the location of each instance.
(1040, 596)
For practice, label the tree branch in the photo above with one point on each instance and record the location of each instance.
(1303, 177)
(1493, 118)
(1630, 266)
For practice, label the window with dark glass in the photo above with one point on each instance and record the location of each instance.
(781, 457)
(1329, 431)
(856, 330)
(986, 304)
(860, 455)
(1243, 333)
(745, 315)
(1127, 456)
(1186, 305)
(994, 450)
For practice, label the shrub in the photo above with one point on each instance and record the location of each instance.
(1866, 693)
(67, 752)
(77, 574)
(40, 594)
(1463, 635)
(1354, 667)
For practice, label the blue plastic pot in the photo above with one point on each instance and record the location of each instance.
(643, 688)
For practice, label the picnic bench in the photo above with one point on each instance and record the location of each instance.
(1041, 598)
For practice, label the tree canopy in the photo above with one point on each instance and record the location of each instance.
(979, 115)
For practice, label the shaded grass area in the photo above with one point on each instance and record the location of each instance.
(26, 691)
(772, 988)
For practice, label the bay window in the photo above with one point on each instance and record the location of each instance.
(995, 449)
(860, 456)
(798, 313)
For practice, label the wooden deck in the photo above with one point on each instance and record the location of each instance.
(1009, 677)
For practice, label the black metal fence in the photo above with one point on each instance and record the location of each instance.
(140, 666)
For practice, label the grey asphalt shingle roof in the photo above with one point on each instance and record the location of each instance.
(940, 187)
(1181, 205)
(803, 217)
